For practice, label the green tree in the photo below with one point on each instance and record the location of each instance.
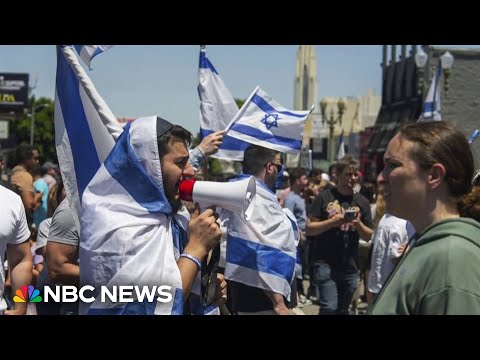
(44, 134)
(240, 102)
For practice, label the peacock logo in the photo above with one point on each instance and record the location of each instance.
(21, 295)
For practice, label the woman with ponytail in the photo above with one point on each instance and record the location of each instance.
(427, 180)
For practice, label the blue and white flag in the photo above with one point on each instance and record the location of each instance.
(264, 122)
(341, 147)
(85, 128)
(261, 252)
(88, 52)
(124, 209)
(130, 237)
(432, 110)
(474, 136)
(298, 259)
(217, 109)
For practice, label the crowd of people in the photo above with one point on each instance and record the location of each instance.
(418, 224)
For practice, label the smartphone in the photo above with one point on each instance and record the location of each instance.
(350, 215)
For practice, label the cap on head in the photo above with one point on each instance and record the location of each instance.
(163, 126)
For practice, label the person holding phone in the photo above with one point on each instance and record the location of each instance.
(338, 218)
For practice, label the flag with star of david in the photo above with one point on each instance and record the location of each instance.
(263, 121)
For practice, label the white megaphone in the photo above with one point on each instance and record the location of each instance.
(237, 196)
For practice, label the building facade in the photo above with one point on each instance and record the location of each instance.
(402, 97)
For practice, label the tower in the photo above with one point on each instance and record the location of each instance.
(305, 78)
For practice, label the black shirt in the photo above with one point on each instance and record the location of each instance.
(339, 246)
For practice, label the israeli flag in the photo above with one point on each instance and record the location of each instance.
(85, 127)
(263, 121)
(128, 231)
(88, 52)
(298, 259)
(341, 147)
(217, 109)
(114, 181)
(261, 252)
(432, 110)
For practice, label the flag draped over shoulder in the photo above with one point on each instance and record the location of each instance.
(432, 110)
(261, 252)
(113, 179)
(264, 122)
(341, 147)
(88, 52)
(217, 109)
(298, 259)
(85, 128)
(128, 236)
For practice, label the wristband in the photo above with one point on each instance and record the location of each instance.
(194, 259)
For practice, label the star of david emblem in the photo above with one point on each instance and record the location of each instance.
(269, 123)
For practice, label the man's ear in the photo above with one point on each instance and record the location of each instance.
(436, 175)
(269, 169)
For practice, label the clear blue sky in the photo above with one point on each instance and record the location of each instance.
(140, 80)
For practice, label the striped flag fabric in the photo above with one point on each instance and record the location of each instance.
(298, 259)
(130, 237)
(264, 122)
(341, 147)
(124, 208)
(217, 109)
(88, 52)
(113, 180)
(474, 136)
(85, 127)
(432, 110)
(261, 253)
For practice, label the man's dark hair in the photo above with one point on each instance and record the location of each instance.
(348, 161)
(255, 158)
(296, 173)
(24, 152)
(176, 132)
(316, 172)
(332, 168)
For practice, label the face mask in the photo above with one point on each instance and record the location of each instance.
(279, 179)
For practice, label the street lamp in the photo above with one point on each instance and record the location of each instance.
(32, 124)
(421, 59)
(446, 62)
(332, 121)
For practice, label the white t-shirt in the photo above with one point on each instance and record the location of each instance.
(13, 226)
(389, 235)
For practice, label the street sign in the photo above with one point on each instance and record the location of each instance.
(13, 92)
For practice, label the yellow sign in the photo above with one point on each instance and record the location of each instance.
(9, 98)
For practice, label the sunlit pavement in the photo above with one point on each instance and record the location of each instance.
(313, 309)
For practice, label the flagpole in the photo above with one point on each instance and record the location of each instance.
(310, 160)
(242, 109)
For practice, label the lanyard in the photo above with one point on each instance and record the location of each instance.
(209, 277)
